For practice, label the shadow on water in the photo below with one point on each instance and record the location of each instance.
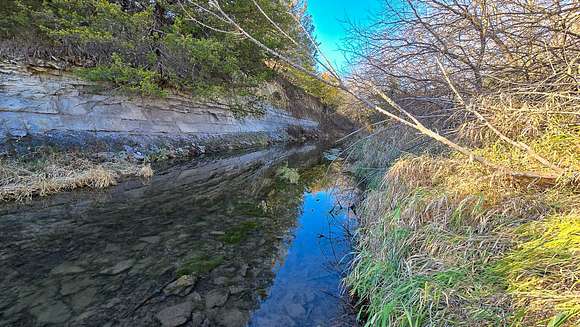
(255, 238)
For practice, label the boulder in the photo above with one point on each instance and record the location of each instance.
(175, 315)
(119, 267)
(181, 286)
(216, 298)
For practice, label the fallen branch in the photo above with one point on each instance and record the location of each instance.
(502, 136)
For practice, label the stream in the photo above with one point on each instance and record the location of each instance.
(257, 239)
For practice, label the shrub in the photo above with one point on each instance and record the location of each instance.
(151, 47)
(130, 79)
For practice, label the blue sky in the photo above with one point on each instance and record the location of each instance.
(329, 26)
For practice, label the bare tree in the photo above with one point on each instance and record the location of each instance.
(429, 46)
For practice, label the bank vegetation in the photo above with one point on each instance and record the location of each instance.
(471, 155)
(489, 237)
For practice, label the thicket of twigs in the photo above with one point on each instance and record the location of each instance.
(509, 69)
(430, 59)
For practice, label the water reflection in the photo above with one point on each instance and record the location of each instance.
(306, 288)
(203, 244)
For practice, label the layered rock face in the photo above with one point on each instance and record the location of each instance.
(56, 108)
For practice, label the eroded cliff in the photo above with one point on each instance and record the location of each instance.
(47, 106)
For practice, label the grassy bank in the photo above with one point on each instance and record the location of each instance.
(444, 241)
(491, 236)
(47, 171)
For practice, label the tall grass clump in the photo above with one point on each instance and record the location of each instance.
(541, 271)
(46, 172)
(442, 243)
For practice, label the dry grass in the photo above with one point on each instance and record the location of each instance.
(434, 234)
(47, 172)
(443, 239)
(550, 127)
(446, 241)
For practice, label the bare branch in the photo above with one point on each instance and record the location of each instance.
(407, 118)
(505, 138)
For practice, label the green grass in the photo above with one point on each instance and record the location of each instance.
(237, 234)
(391, 293)
(199, 264)
(542, 271)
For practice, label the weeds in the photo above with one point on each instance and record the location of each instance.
(290, 175)
(240, 232)
(199, 264)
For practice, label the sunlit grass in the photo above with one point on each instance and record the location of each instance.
(542, 272)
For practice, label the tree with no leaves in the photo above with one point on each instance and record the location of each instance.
(425, 50)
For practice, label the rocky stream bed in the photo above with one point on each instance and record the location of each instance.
(231, 241)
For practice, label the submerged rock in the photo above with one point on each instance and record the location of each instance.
(151, 239)
(243, 270)
(195, 298)
(112, 248)
(175, 315)
(274, 320)
(119, 267)
(295, 310)
(139, 247)
(83, 299)
(66, 268)
(197, 319)
(75, 286)
(233, 318)
(236, 290)
(220, 280)
(54, 313)
(98, 284)
(182, 286)
(216, 298)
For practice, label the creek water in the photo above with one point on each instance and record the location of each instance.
(252, 239)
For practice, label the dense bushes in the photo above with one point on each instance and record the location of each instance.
(128, 78)
(147, 46)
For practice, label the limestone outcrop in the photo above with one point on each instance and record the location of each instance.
(43, 106)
